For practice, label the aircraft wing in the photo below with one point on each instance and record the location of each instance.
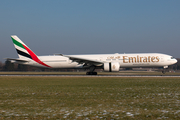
(16, 60)
(87, 62)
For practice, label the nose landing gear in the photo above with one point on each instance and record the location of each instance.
(164, 69)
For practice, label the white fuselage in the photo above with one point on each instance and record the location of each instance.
(108, 62)
(125, 60)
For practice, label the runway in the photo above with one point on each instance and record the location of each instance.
(93, 75)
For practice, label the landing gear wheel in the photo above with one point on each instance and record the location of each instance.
(163, 71)
(94, 73)
(91, 73)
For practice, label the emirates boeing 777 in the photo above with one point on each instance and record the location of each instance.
(107, 62)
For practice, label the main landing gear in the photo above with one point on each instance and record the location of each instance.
(92, 68)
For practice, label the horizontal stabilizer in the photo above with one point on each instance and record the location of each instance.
(16, 60)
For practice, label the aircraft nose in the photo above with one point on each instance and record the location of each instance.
(175, 61)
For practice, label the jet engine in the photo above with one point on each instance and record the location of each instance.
(111, 67)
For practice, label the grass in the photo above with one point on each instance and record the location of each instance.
(89, 98)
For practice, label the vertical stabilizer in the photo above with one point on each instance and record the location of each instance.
(24, 52)
(21, 48)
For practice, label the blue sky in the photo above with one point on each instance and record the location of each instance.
(91, 26)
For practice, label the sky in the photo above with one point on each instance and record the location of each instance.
(90, 26)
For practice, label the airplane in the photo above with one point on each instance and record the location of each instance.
(107, 62)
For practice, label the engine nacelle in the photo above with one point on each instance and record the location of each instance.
(111, 67)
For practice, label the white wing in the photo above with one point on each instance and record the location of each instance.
(85, 61)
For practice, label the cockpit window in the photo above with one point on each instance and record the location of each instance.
(172, 58)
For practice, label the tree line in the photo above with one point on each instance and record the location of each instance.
(8, 66)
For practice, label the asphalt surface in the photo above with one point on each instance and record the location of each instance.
(93, 75)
